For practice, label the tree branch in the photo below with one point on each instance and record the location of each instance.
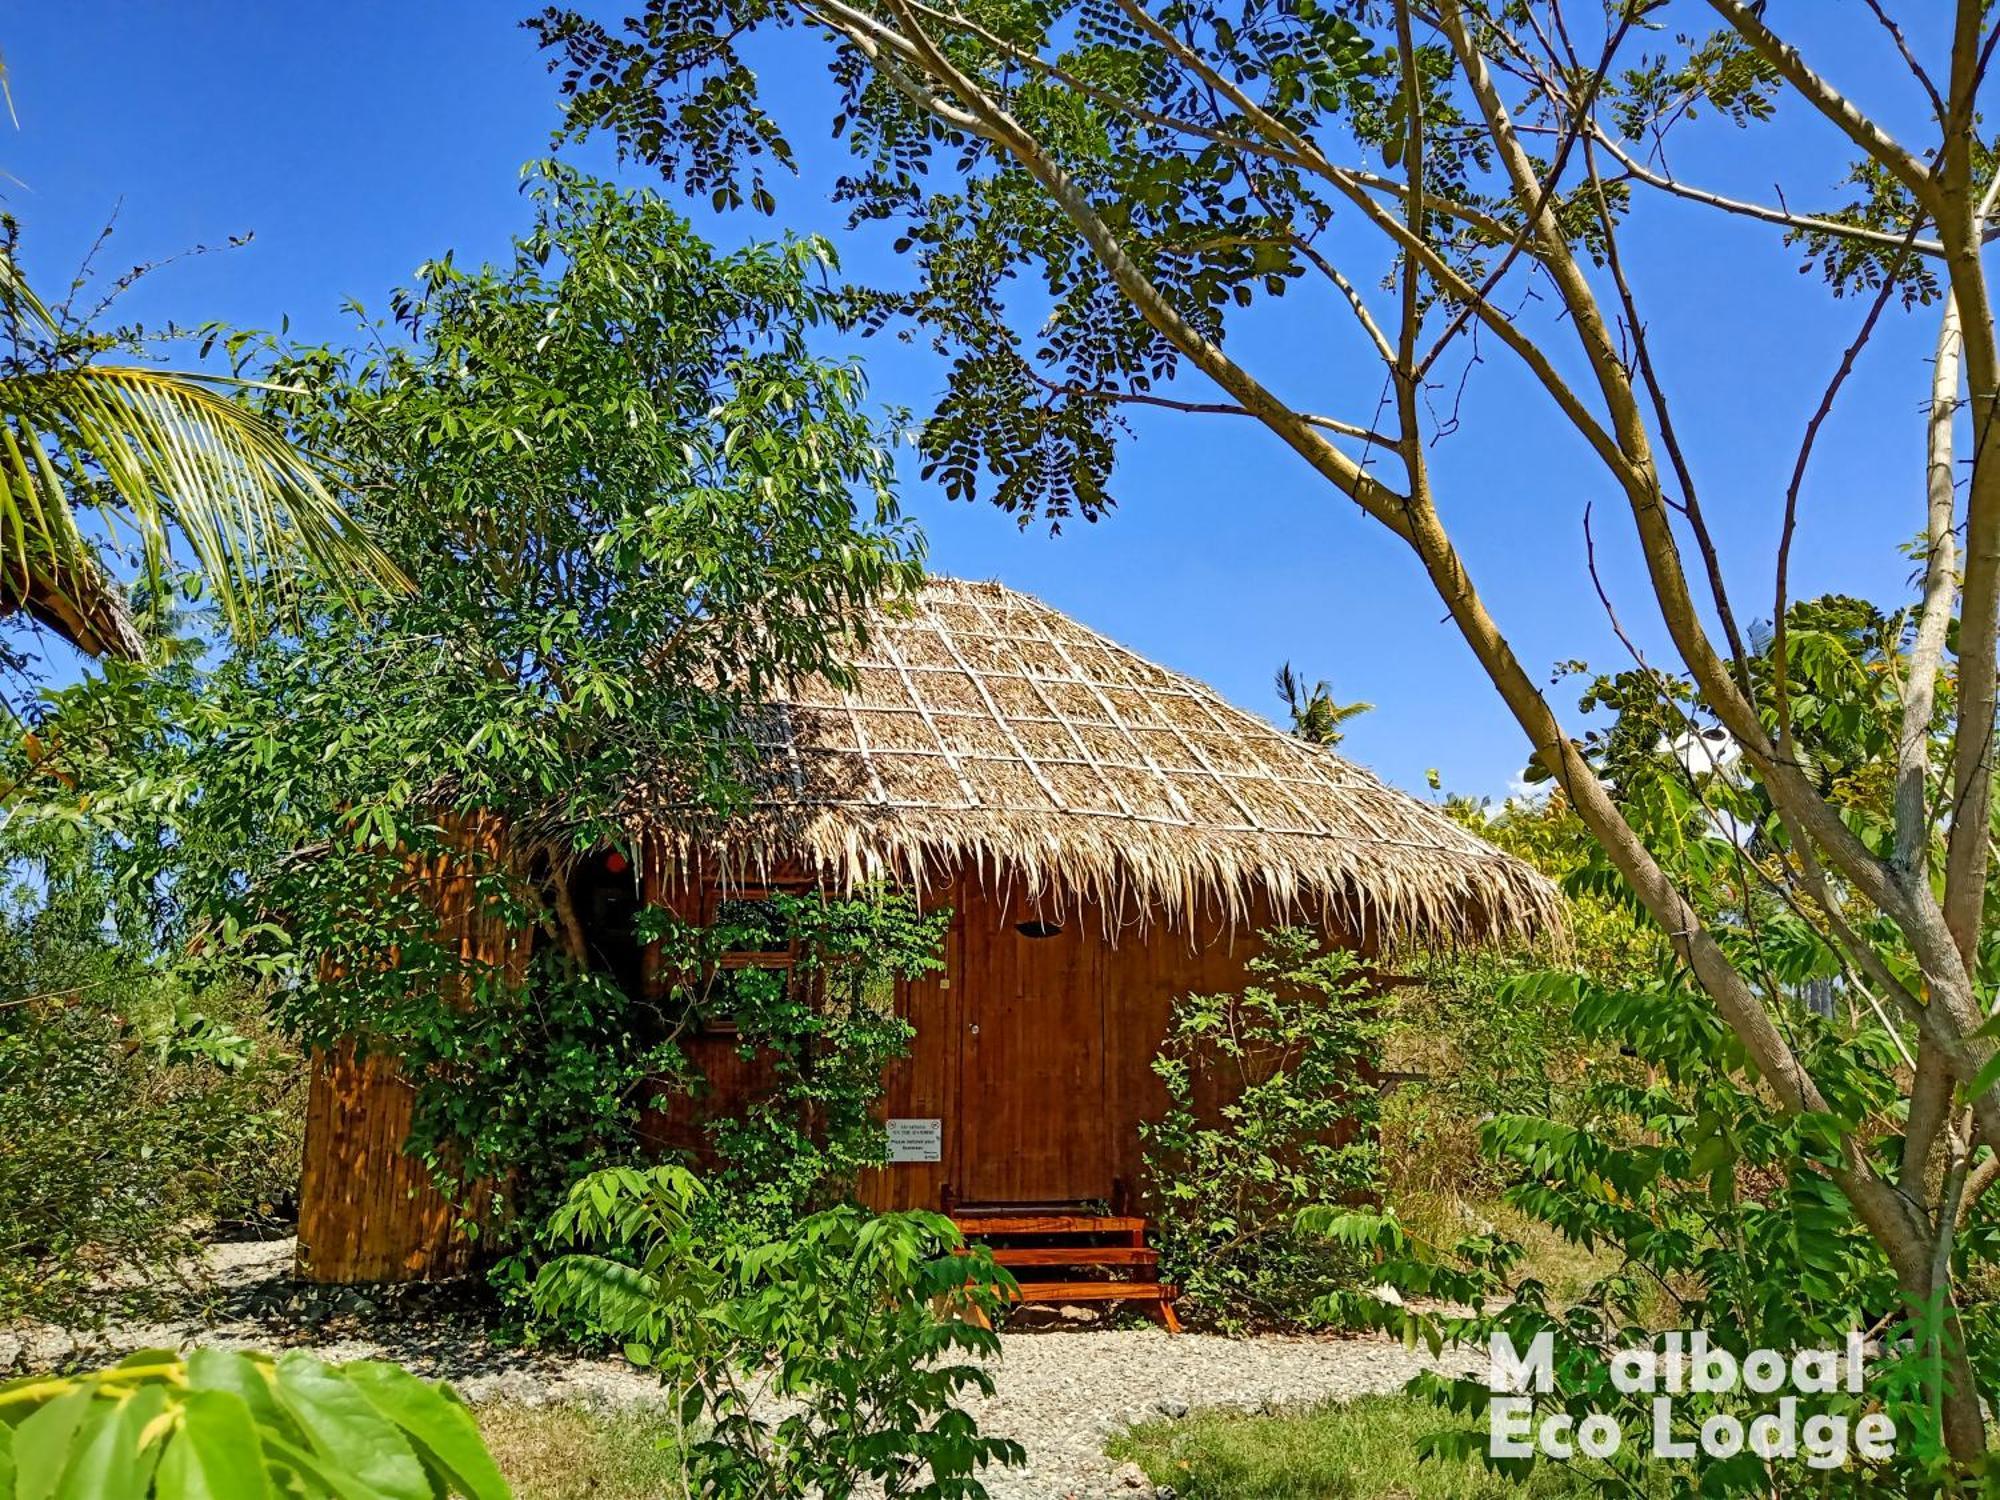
(1203, 408)
(1748, 20)
(1882, 238)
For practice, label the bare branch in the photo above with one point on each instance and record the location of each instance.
(1883, 238)
(1780, 656)
(1546, 191)
(1203, 408)
(1916, 68)
(1649, 378)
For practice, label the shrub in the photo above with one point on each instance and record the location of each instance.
(824, 1030)
(838, 1319)
(543, 1083)
(1271, 1110)
(1722, 1215)
(135, 1113)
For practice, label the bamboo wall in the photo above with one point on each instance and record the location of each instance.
(368, 1210)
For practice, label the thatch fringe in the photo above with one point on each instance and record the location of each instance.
(984, 729)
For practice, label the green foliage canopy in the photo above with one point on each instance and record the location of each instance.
(632, 498)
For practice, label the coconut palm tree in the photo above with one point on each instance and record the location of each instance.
(152, 451)
(1316, 718)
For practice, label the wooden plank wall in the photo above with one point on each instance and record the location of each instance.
(1052, 987)
(924, 1085)
(368, 1211)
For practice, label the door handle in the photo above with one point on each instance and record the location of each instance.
(974, 1028)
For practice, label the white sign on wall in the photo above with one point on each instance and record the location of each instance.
(916, 1140)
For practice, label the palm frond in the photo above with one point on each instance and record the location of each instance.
(162, 452)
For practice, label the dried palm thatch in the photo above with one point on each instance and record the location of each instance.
(984, 730)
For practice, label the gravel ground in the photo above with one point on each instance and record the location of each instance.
(1061, 1391)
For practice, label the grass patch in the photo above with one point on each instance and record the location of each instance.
(1354, 1450)
(571, 1452)
(1561, 1265)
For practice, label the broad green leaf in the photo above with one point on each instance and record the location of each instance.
(347, 1432)
(42, 1443)
(215, 1455)
(109, 1461)
(433, 1419)
(242, 1377)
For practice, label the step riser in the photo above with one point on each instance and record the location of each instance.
(1095, 1291)
(981, 1226)
(1084, 1255)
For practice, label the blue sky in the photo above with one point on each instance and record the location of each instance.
(355, 140)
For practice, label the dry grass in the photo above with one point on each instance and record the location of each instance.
(577, 1453)
(1565, 1268)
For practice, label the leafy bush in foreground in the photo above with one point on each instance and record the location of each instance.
(840, 1321)
(1270, 1111)
(240, 1427)
(206, 1098)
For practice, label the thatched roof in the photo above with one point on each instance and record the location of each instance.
(985, 729)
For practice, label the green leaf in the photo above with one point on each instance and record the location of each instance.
(1985, 1078)
(242, 1377)
(431, 1417)
(215, 1455)
(347, 1432)
(42, 1443)
(109, 1462)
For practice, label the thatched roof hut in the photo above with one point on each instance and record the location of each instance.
(1108, 836)
(982, 729)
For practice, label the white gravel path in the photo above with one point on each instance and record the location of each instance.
(1061, 1393)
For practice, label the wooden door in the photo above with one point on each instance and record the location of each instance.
(1032, 1126)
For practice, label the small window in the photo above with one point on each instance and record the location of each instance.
(757, 940)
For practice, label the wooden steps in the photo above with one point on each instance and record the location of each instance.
(988, 1226)
(1049, 1273)
(1072, 1255)
(1089, 1291)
